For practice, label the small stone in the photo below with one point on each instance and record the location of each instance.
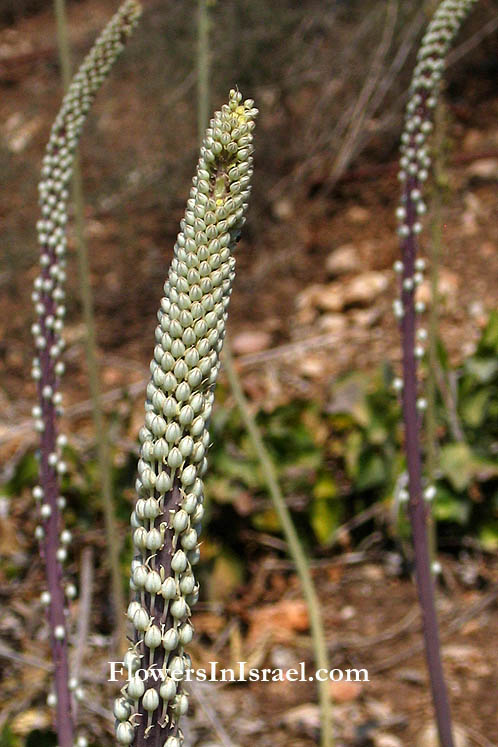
(343, 260)
(333, 323)
(323, 297)
(251, 341)
(305, 717)
(283, 209)
(358, 214)
(312, 366)
(366, 317)
(347, 612)
(484, 168)
(428, 737)
(447, 288)
(365, 288)
(387, 740)
(343, 691)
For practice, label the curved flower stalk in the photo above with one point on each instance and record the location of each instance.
(174, 440)
(48, 297)
(414, 163)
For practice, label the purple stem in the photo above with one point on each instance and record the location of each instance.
(51, 525)
(157, 735)
(416, 508)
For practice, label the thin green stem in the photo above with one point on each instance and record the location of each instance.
(91, 350)
(203, 67)
(295, 548)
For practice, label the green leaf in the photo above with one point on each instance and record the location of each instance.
(239, 468)
(457, 464)
(488, 536)
(354, 443)
(483, 369)
(371, 471)
(325, 487)
(266, 521)
(474, 407)
(460, 465)
(7, 739)
(226, 574)
(349, 396)
(26, 474)
(448, 507)
(489, 340)
(325, 518)
(220, 489)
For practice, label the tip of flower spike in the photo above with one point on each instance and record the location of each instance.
(132, 8)
(227, 143)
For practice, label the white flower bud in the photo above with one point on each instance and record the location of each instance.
(151, 508)
(131, 661)
(164, 483)
(175, 458)
(187, 584)
(153, 638)
(153, 582)
(167, 691)
(153, 540)
(168, 588)
(133, 607)
(181, 704)
(188, 475)
(186, 634)
(172, 741)
(125, 733)
(121, 709)
(189, 539)
(179, 608)
(140, 538)
(179, 561)
(430, 493)
(59, 632)
(136, 688)
(180, 520)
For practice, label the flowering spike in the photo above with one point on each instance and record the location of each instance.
(414, 165)
(48, 297)
(174, 440)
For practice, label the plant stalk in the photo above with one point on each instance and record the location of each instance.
(295, 548)
(203, 67)
(435, 256)
(56, 610)
(112, 535)
(417, 511)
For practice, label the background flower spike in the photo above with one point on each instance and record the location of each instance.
(414, 170)
(48, 297)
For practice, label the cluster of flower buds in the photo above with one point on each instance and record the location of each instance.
(414, 168)
(167, 518)
(415, 159)
(48, 297)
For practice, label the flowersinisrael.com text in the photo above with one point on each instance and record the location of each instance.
(242, 672)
